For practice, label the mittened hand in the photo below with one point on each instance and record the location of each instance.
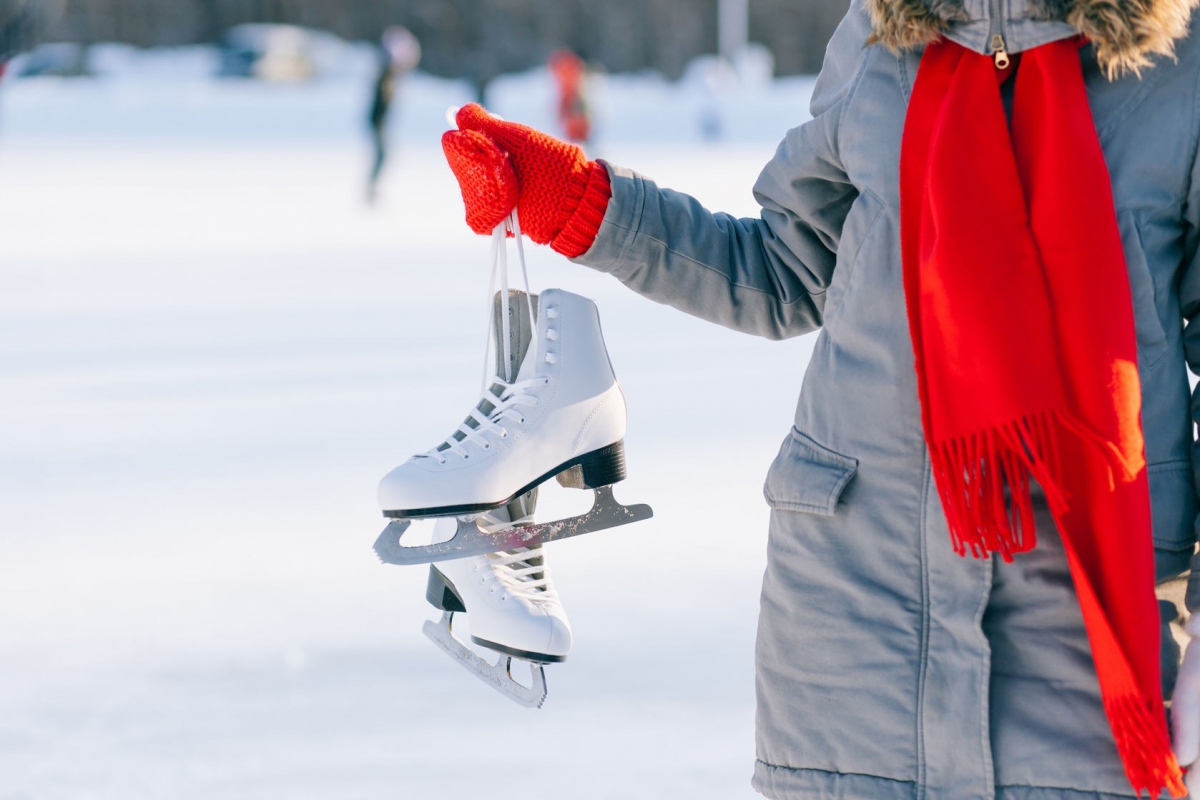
(485, 175)
(1185, 710)
(559, 195)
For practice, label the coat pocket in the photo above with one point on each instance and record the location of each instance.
(807, 477)
(1173, 510)
(1151, 336)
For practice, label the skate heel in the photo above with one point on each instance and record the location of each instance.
(441, 594)
(602, 467)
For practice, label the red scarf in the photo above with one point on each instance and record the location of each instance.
(1022, 326)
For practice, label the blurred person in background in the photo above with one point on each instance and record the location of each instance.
(993, 217)
(400, 53)
(570, 75)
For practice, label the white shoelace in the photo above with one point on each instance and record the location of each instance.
(521, 578)
(501, 392)
(521, 572)
(503, 399)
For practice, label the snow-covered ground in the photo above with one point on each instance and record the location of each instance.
(211, 350)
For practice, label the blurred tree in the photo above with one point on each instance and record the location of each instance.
(796, 32)
(16, 27)
(476, 39)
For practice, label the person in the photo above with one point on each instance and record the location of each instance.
(400, 52)
(993, 217)
(574, 116)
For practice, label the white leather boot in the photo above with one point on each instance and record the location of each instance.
(508, 597)
(563, 410)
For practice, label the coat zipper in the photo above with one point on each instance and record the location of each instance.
(999, 48)
(1001, 54)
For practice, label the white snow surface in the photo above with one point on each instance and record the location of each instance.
(211, 350)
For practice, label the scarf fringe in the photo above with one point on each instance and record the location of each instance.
(984, 480)
(1141, 733)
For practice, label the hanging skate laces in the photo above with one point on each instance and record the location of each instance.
(503, 394)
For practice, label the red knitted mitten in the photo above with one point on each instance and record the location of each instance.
(559, 195)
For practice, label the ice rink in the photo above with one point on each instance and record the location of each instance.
(211, 349)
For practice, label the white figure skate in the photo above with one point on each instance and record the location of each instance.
(562, 415)
(512, 606)
(514, 609)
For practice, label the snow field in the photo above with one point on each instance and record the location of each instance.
(210, 352)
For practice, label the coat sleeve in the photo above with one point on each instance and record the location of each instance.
(764, 275)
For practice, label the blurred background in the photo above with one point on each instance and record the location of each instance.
(476, 39)
(236, 289)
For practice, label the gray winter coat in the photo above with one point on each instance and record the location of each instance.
(887, 666)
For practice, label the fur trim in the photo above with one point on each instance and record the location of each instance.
(910, 24)
(1126, 33)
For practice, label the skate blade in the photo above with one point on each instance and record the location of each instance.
(499, 675)
(469, 540)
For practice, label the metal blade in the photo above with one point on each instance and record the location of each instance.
(498, 675)
(469, 540)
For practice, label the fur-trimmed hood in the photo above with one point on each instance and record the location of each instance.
(1126, 32)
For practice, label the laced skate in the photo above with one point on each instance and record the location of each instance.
(561, 416)
(511, 603)
(512, 607)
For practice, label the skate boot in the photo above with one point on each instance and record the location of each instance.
(512, 606)
(564, 410)
(562, 415)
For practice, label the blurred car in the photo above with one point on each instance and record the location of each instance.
(267, 52)
(58, 59)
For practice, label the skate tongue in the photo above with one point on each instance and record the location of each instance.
(520, 328)
(528, 368)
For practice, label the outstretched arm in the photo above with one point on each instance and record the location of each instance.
(767, 275)
(764, 275)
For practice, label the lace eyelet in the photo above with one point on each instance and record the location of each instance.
(521, 421)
